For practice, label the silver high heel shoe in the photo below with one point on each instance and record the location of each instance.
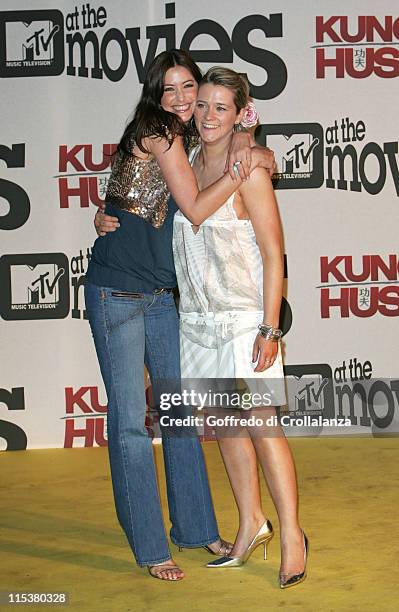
(263, 536)
(289, 580)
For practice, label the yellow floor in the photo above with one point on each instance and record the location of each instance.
(59, 532)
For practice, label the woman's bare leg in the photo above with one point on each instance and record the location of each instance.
(275, 458)
(239, 458)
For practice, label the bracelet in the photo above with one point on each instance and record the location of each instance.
(268, 332)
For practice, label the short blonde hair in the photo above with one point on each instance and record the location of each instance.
(236, 82)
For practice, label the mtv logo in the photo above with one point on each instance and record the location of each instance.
(34, 286)
(310, 389)
(293, 153)
(31, 43)
(305, 394)
(298, 149)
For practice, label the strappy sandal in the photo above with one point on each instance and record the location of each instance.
(224, 549)
(156, 571)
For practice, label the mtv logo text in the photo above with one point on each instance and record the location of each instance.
(298, 148)
(34, 286)
(31, 43)
(310, 389)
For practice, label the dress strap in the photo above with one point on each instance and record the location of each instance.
(193, 154)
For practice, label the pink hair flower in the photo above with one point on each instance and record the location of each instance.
(251, 116)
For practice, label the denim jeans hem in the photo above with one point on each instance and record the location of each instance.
(156, 562)
(196, 545)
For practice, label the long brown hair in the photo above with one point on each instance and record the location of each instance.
(150, 119)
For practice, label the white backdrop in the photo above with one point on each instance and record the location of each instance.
(339, 219)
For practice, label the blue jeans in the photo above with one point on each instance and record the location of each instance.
(130, 330)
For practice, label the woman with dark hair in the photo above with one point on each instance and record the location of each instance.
(230, 278)
(132, 315)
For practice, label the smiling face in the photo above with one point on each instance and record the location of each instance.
(179, 92)
(215, 112)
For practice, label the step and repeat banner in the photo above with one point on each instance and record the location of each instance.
(324, 78)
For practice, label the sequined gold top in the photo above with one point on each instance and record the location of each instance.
(138, 186)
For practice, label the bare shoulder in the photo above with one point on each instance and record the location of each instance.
(259, 175)
(158, 145)
(139, 153)
(259, 180)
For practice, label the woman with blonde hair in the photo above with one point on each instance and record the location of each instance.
(230, 277)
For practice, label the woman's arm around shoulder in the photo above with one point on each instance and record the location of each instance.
(180, 179)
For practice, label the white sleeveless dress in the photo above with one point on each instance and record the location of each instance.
(220, 276)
